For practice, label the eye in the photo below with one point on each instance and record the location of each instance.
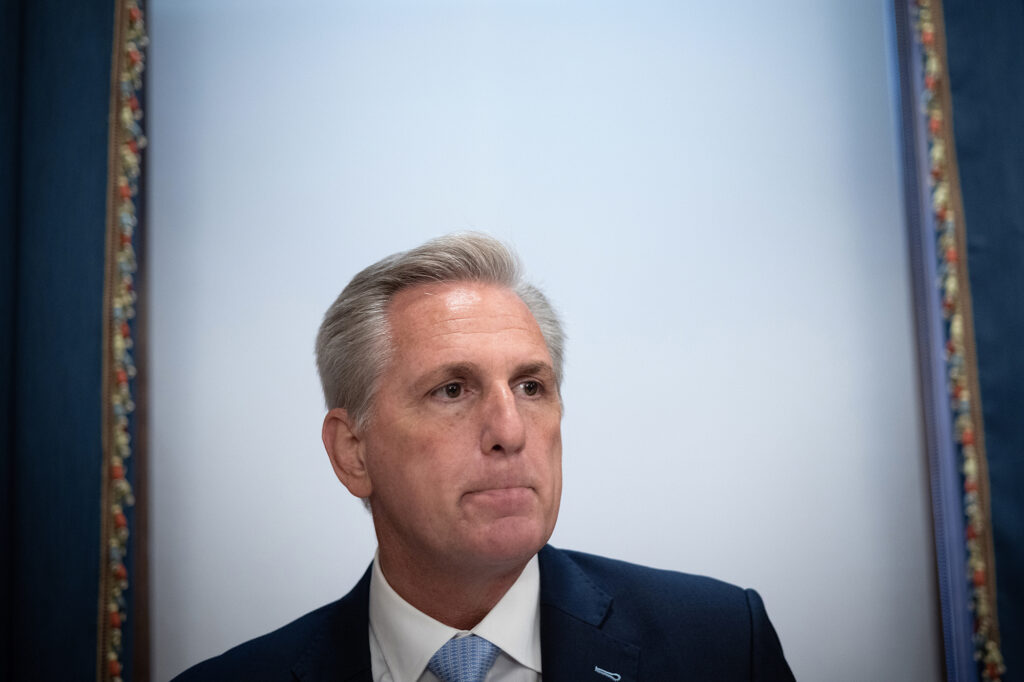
(450, 390)
(530, 388)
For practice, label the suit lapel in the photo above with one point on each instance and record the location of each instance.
(573, 609)
(340, 649)
(573, 646)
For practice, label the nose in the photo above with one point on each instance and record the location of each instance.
(504, 430)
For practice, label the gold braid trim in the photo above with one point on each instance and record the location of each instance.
(125, 144)
(961, 360)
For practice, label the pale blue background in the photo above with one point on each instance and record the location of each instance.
(708, 191)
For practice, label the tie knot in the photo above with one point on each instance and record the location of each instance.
(463, 659)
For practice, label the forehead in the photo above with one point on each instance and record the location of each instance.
(459, 315)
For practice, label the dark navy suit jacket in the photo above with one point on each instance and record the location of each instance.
(632, 622)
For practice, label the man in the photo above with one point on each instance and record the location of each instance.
(442, 371)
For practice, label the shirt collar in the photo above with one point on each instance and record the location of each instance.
(408, 637)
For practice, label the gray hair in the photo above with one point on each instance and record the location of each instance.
(353, 345)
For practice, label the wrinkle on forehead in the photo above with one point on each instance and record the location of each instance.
(450, 330)
(484, 322)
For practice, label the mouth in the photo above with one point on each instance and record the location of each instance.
(507, 500)
(499, 489)
(498, 481)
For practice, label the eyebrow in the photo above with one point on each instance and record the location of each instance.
(541, 368)
(427, 380)
(538, 368)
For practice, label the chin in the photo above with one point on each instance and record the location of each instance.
(512, 540)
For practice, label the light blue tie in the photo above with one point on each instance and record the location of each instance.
(464, 659)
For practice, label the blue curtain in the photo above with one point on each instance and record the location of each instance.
(962, 115)
(985, 52)
(55, 104)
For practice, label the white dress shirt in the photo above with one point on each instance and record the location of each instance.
(403, 638)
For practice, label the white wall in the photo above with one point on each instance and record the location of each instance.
(708, 191)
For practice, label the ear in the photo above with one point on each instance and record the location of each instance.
(347, 452)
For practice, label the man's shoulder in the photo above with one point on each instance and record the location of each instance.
(646, 599)
(665, 588)
(333, 635)
(270, 656)
(682, 622)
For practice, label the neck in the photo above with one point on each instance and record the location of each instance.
(457, 598)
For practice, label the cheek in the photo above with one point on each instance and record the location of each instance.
(420, 459)
(551, 428)
(551, 437)
(556, 468)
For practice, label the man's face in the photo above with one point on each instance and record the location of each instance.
(464, 449)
